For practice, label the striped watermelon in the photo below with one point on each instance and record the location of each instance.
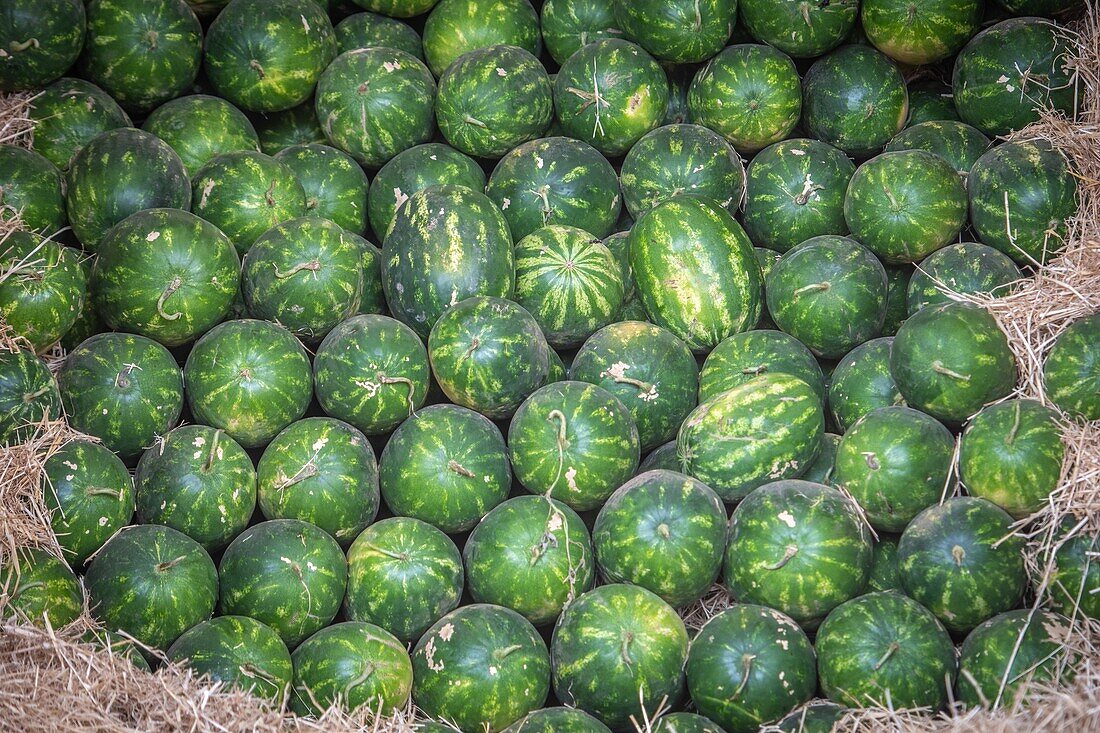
(662, 457)
(335, 185)
(823, 468)
(956, 142)
(861, 382)
(42, 288)
(557, 719)
(33, 189)
(28, 394)
(931, 101)
(966, 268)
(365, 30)
(239, 651)
(921, 33)
(200, 128)
(1070, 371)
(41, 40)
(801, 30)
(69, 113)
(567, 25)
(295, 126)
(745, 356)
(397, 8)
(897, 289)
(816, 716)
(685, 723)
(678, 32)
(1075, 577)
(457, 27)
(884, 566)
(374, 297)
(40, 588)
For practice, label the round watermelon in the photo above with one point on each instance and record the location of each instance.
(1075, 577)
(862, 382)
(334, 184)
(884, 566)
(249, 378)
(803, 30)
(685, 723)
(956, 142)
(32, 190)
(568, 25)
(42, 288)
(1039, 7)
(200, 128)
(920, 33)
(295, 126)
(663, 457)
(931, 101)
(817, 716)
(897, 288)
(40, 588)
(28, 394)
(745, 356)
(557, 720)
(823, 468)
(69, 113)
(964, 268)
(403, 575)
(238, 651)
(374, 298)
(458, 27)
(366, 30)
(397, 8)
(678, 32)
(1071, 372)
(40, 41)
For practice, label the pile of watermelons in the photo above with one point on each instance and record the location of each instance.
(658, 302)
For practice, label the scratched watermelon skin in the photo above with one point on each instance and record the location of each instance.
(44, 288)
(1070, 370)
(41, 40)
(200, 128)
(28, 393)
(41, 588)
(801, 30)
(567, 25)
(967, 268)
(920, 33)
(678, 32)
(335, 185)
(69, 113)
(862, 382)
(239, 651)
(745, 356)
(457, 27)
(364, 30)
(956, 142)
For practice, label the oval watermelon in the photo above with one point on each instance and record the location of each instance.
(931, 100)
(335, 185)
(69, 113)
(42, 288)
(557, 719)
(365, 30)
(40, 588)
(295, 126)
(200, 128)
(1075, 577)
(862, 382)
(956, 142)
(28, 395)
(32, 190)
(41, 40)
(803, 30)
(745, 356)
(567, 25)
(457, 27)
(678, 32)
(1071, 375)
(238, 651)
(920, 33)
(965, 268)
(884, 566)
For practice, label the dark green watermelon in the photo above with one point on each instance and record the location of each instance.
(920, 33)
(956, 142)
(663, 457)
(931, 101)
(1039, 7)
(897, 288)
(884, 566)
(801, 30)
(749, 93)
(285, 573)
(335, 185)
(32, 190)
(249, 378)
(678, 32)
(40, 588)
(531, 554)
(862, 382)
(567, 25)
(1075, 576)
(397, 8)
(817, 716)
(374, 298)
(965, 268)
(116, 644)
(823, 468)
(482, 667)
(151, 583)
(28, 394)
(267, 55)
(745, 356)
(403, 575)
(960, 560)
(679, 81)
(685, 723)
(42, 288)
(69, 113)
(200, 128)
(366, 30)
(39, 40)
(619, 650)
(239, 651)
(1071, 372)
(894, 461)
(459, 453)
(557, 719)
(457, 27)
(295, 126)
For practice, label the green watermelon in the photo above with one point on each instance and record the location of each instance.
(609, 94)
(862, 382)
(366, 30)
(354, 664)
(680, 31)
(956, 142)
(28, 394)
(823, 468)
(1008, 72)
(960, 560)
(745, 356)
(817, 716)
(950, 360)
(558, 371)
(199, 481)
(568, 25)
(40, 588)
(664, 532)
(748, 93)
(123, 389)
(142, 52)
(619, 651)
(1071, 372)
(663, 457)
(69, 113)
(920, 33)
(884, 566)
(557, 719)
(765, 429)
(90, 496)
(897, 288)
(679, 159)
(88, 322)
(801, 29)
(556, 180)
(1039, 7)
(459, 453)
(855, 99)
(238, 651)
(1075, 577)
(403, 575)
(397, 8)
(965, 268)
(42, 288)
(151, 583)
(449, 243)
(648, 369)
(39, 40)
(894, 461)
(531, 554)
(117, 645)
(457, 27)
(750, 665)
(931, 101)
(32, 190)
(207, 8)
(685, 723)
(335, 185)
(200, 128)
(119, 173)
(575, 442)
(374, 298)
(288, 574)
(830, 293)
(267, 55)
(249, 378)
(481, 667)
(322, 471)
(295, 126)
(695, 271)
(885, 650)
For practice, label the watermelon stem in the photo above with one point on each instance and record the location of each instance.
(809, 188)
(103, 491)
(500, 654)
(20, 589)
(746, 671)
(959, 554)
(408, 397)
(309, 470)
(248, 669)
(624, 651)
(756, 371)
(388, 553)
(791, 551)
(168, 292)
(32, 396)
(475, 122)
(368, 670)
(311, 266)
(255, 65)
(698, 17)
(804, 9)
(939, 368)
(213, 449)
(151, 37)
(543, 194)
(18, 46)
(1011, 437)
(161, 567)
(122, 380)
(890, 650)
(814, 288)
(560, 416)
(458, 468)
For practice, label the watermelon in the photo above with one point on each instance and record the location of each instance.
(151, 583)
(118, 173)
(459, 453)
(663, 457)
(619, 653)
(803, 30)
(28, 394)
(39, 40)
(285, 573)
(32, 190)
(748, 93)
(894, 461)
(531, 554)
(42, 288)
(322, 471)
(374, 298)
(200, 128)
(685, 723)
(354, 664)
(830, 293)
(664, 532)
(956, 142)
(556, 180)
(457, 27)
(142, 52)
(488, 354)
(69, 113)
(678, 159)
(765, 429)
(558, 371)
(557, 719)
(679, 80)
(1039, 7)
(40, 588)
(884, 566)
(931, 101)
(950, 360)
(897, 288)
(375, 102)
(492, 99)
(116, 644)
(965, 268)
(745, 356)
(1075, 577)
(1040, 189)
(1071, 372)
(855, 99)
(885, 649)
(267, 55)
(695, 271)
(575, 442)
(960, 560)
(123, 389)
(648, 369)
(861, 382)
(366, 30)
(295, 126)
(481, 667)
(817, 716)
(568, 25)
(249, 378)
(335, 185)
(90, 496)
(238, 651)
(823, 468)
(609, 94)
(750, 665)
(403, 575)
(397, 8)
(921, 33)
(207, 8)
(1008, 72)
(679, 32)
(447, 244)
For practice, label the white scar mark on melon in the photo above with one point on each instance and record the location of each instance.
(152, 236)
(429, 656)
(447, 632)
(206, 189)
(571, 478)
(787, 518)
(305, 23)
